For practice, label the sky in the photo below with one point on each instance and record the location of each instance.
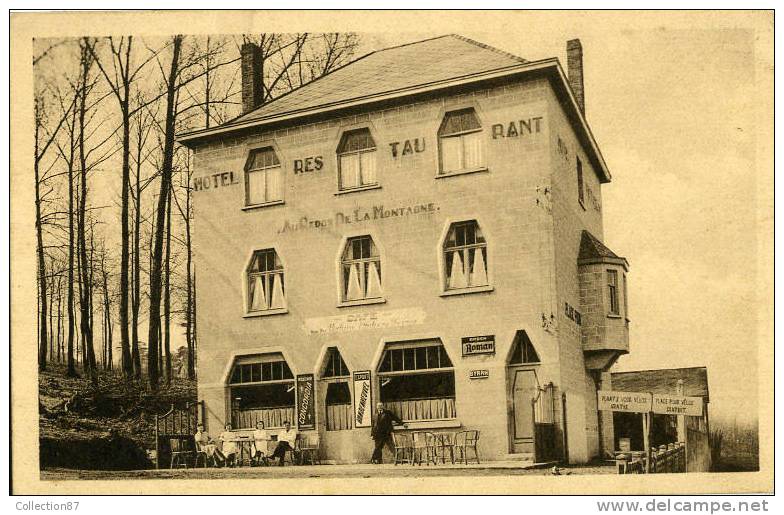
(672, 109)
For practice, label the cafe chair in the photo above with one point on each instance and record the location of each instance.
(445, 447)
(464, 442)
(423, 448)
(181, 453)
(403, 448)
(309, 449)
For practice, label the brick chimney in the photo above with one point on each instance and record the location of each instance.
(252, 76)
(574, 69)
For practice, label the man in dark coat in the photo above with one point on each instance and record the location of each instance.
(382, 431)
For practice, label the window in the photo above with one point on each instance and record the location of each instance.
(580, 185)
(338, 406)
(612, 290)
(361, 270)
(266, 288)
(264, 177)
(418, 381)
(460, 142)
(261, 388)
(523, 351)
(625, 298)
(465, 256)
(356, 160)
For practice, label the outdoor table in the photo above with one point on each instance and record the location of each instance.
(244, 449)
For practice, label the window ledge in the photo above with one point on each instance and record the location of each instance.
(462, 172)
(266, 204)
(430, 424)
(266, 312)
(612, 315)
(361, 188)
(361, 302)
(465, 291)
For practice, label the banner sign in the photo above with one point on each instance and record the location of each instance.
(629, 402)
(306, 409)
(677, 405)
(473, 345)
(362, 399)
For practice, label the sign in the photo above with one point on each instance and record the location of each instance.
(374, 213)
(408, 147)
(371, 320)
(214, 181)
(306, 409)
(362, 399)
(629, 402)
(473, 345)
(677, 405)
(517, 128)
(479, 374)
(309, 164)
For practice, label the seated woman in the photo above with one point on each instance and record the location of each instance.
(260, 439)
(204, 443)
(229, 446)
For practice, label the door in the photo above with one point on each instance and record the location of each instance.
(521, 424)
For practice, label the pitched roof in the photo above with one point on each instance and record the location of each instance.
(664, 381)
(391, 69)
(592, 249)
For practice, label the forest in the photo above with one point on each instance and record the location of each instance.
(117, 292)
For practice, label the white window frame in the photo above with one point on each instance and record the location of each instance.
(265, 170)
(342, 301)
(482, 167)
(442, 262)
(358, 153)
(246, 302)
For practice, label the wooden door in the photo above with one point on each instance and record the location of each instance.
(522, 424)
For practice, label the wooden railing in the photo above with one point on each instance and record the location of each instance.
(339, 416)
(272, 417)
(669, 458)
(411, 410)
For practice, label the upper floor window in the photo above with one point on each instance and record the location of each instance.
(465, 256)
(361, 269)
(460, 142)
(266, 289)
(580, 185)
(263, 177)
(356, 160)
(612, 291)
(625, 298)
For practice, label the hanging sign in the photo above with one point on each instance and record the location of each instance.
(473, 345)
(677, 405)
(629, 402)
(362, 399)
(306, 410)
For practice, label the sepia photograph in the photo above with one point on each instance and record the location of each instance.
(391, 252)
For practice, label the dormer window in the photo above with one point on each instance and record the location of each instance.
(460, 142)
(263, 178)
(356, 160)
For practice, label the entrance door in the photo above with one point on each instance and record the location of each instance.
(521, 423)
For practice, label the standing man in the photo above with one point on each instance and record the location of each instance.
(287, 440)
(382, 431)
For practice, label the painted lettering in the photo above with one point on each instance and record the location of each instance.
(498, 130)
(393, 147)
(407, 148)
(297, 166)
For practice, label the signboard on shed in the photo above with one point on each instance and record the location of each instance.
(677, 405)
(362, 399)
(629, 402)
(473, 345)
(306, 412)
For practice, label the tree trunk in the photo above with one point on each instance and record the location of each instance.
(167, 291)
(166, 172)
(40, 252)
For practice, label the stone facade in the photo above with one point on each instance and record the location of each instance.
(525, 201)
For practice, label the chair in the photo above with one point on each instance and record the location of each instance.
(309, 449)
(202, 455)
(181, 453)
(466, 441)
(424, 444)
(403, 448)
(294, 455)
(445, 447)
